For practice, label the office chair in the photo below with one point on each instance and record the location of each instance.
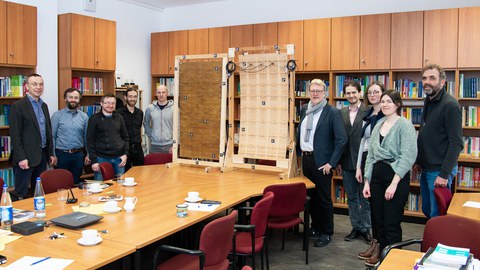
(443, 196)
(107, 171)
(157, 158)
(56, 179)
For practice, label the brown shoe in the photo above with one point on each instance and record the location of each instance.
(373, 260)
(368, 253)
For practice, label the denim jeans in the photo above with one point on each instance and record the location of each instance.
(72, 162)
(427, 180)
(115, 162)
(358, 206)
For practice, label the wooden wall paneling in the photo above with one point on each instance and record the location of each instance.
(375, 41)
(21, 34)
(316, 44)
(198, 41)
(292, 33)
(105, 49)
(265, 34)
(82, 34)
(440, 37)
(469, 37)
(159, 53)
(241, 36)
(177, 45)
(218, 39)
(407, 40)
(345, 50)
(3, 32)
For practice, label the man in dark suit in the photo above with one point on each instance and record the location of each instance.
(358, 206)
(31, 135)
(321, 140)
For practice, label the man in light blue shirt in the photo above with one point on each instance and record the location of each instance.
(69, 128)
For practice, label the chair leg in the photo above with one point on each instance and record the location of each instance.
(283, 239)
(261, 257)
(265, 246)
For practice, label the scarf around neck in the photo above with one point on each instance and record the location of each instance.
(311, 110)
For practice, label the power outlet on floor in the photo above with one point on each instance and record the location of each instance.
(90, 5)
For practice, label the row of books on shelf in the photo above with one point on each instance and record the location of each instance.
(408, 88)
(88, 85)
(5, 146)
(468, 87)
(340, 194)
(470, 116)
(13, 86)
(298, 109)
(414, 202)
(7, 176)
(471, 147)
(412, 114)
(302, 87)
(170, 84)
(364, 81)
(91, 110)
(468, 176)
(4, 113)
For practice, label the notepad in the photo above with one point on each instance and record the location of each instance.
(202, 207)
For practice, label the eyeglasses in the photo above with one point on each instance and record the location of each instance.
(374, 93)
(109, 103)
(36, 84)
(317, 91)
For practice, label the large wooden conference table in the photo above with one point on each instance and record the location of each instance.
(456, 206)
(159, 190)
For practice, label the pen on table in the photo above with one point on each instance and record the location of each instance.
(37, 262)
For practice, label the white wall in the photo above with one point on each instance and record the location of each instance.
(238, 12)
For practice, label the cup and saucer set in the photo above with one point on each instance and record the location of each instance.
(90, 238)
(193, 197)
(129, 182)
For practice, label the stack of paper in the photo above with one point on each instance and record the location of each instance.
(445, 257)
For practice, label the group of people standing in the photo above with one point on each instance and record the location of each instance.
(71, 140)
(374, 148)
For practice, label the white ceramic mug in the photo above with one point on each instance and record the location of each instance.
(129, 181)
(193, 195)
(90, 236)
(130, 203)
(110, 205)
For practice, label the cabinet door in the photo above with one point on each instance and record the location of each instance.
(82, 34)
(3, 32)
(159, 53)
(241, 36)
(345, 43)
(375, 41)
(105, 44)
(469, 37)
(440, 37)
(21, 34)
(407, 39)
(316, 44)
(292, 33)
(198, 41)
(177, 45)
(265, 34)
(218, 39)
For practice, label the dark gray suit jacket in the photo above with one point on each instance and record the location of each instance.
(354, 133)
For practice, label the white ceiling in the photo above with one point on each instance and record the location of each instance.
(162, 4)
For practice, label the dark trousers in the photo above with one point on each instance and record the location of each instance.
(135, 156)
(25, 180)
(372, 213)
(388, 214)
(72, 162)
(321, 205)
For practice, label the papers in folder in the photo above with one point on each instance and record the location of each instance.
(202, 207)
(25, 262)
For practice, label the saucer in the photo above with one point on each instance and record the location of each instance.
(95, 190)
(114, 210)
(193, 200)
(82, 242)
(130, 184)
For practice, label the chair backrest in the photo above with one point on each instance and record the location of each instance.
(289, 199)
(216, 239)
(452, 230)
(107, 171)
(1, 182)
(158, 158)
(55, 179)
(443, 196)
(260, 212)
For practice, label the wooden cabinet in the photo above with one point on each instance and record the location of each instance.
(177, 45)
(375, 41)
(440, 37)
(265, 34)
(3, 32)
(469, 37)
(407, 40)
(316, 44)
(198, 41)
(241, 36)
(292, 33)
(105, 48)
(159, 53)
(345, 50)
(218, 39)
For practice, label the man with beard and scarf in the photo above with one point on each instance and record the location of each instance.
(321, 140)
(69, 128)
(133, 118)
(439, 139)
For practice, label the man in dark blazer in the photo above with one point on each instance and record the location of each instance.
(321, 140)
(358, 206)
(31, 137)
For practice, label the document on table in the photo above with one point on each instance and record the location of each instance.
(202, 207)
(93, 208)
(5, 239)
(472, 204)
(25, 262)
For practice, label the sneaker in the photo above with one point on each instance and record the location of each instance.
(353, 235)
(323, 240)
(313, 233)
(367, 237)
(368, 253)
(375, 258)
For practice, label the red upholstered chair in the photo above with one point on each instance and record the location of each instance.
(215, 243)
(55, 179)
(250, 239)
(1, 183)
(449, 230)
(290, 200)
(158, 158)
(107, 171)
(443, 196)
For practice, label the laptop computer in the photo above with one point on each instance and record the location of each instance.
(76, 220)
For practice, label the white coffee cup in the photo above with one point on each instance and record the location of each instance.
(90, 236)
(129, 181)
(110, 205)
(193, 195)
(95, 186)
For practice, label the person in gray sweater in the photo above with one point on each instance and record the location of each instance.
(391, 155)
(158, 122)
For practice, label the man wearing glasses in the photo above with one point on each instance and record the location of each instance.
(31, 135)
(107, 138)
(321, 140)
